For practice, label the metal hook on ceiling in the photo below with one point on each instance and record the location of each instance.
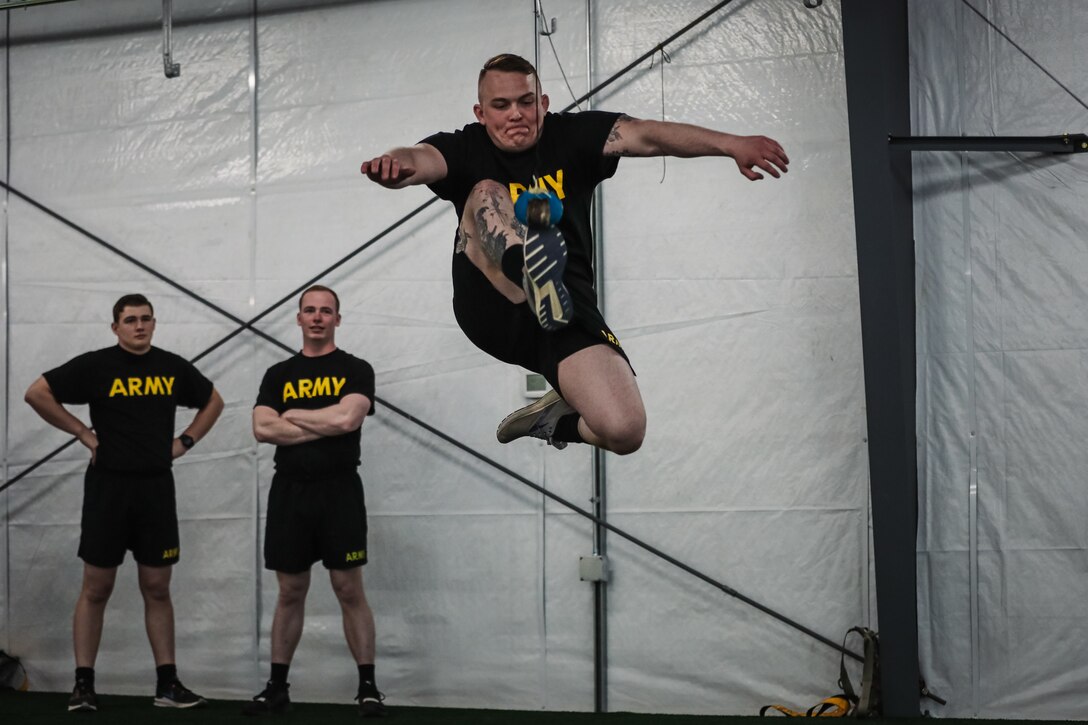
(170, 68)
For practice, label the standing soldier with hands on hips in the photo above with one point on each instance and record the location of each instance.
(133, 391)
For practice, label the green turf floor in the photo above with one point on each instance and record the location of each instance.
(46, 708)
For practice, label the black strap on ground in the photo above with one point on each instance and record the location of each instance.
(249, 325)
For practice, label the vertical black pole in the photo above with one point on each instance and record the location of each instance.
(877, 86)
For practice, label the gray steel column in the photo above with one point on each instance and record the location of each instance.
(877, 86)
(598, 499)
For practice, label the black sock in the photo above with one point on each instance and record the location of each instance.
(279, 674)
(513, 263)
(566, 429)
(366, 678)
(85, 675)
(166, 674)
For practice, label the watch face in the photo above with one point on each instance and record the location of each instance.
(186, 440)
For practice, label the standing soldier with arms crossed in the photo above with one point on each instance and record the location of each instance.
(312, 407)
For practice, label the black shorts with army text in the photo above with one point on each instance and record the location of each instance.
(511, 333)
(315, 519)
(129, 512)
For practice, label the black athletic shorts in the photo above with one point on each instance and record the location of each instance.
(135, 512)
(512, 334)
(315, 519)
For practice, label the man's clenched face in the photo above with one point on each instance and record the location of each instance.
(511, 109)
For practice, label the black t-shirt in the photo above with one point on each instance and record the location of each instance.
(568, 159)
(311, 383)
(132, 399)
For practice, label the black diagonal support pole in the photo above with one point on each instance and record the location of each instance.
(875, 47)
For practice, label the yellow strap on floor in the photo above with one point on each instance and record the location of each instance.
(834, 706)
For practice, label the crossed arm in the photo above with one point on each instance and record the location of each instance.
(301, 426)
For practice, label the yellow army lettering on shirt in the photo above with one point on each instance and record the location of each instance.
(171, 553)
(555, 182)
(313, 388)
(150, 385)
(356, 555)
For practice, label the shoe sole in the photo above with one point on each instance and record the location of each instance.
(505, 433)
(545, 261)
(265, 712)
(82, 708)
(372, 708)
(161, 702)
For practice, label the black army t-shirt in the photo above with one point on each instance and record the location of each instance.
(132, 399)
(568, 160)
(311, 383)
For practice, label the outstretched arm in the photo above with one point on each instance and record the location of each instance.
(270, 427)
(639, 137)
(406, 166)
(344, 417)
(40, 397)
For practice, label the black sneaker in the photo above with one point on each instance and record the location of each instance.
(545, 261)
(538, 420)
(175, 694)
(83, 699)
(370, 702)
(273, 699)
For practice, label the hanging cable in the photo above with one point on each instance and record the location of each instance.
(555, 53)
(637, 61)
(665, 58)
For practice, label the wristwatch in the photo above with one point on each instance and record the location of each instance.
(186, 440)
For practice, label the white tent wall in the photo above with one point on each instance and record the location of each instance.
(737, 303)
(1003, 371)
(5, 609)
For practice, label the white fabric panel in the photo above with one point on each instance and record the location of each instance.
(5, 472)
(736, 301)
(1003, 370)
(160, 169)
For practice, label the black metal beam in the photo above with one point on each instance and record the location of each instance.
(878, 105)
(1076, 143)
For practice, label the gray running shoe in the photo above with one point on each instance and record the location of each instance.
(537, 419)
(83, 699)
(176, 694)
(273, 699)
